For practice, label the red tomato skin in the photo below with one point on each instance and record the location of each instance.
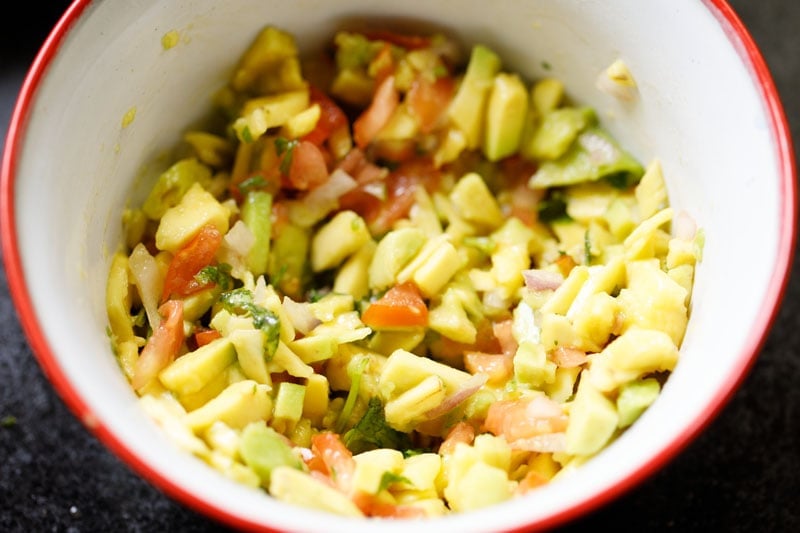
(188, 261)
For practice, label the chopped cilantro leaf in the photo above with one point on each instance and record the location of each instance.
(587, 247)
(8, 421)
(373, 432)
(254, 182)
(552, 208)
(285, 147)
(247, 136)
(219, 275)
(355, 369)
(241, 301)
(390, 478)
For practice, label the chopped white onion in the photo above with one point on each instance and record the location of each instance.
(467, 389)
(318, 202)
(240, 239)
(300, 315)
(149, 282)
(684, 226)
(537, 279)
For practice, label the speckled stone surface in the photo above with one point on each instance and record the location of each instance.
(741, 474)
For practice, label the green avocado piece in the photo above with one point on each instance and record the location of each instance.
(394, 251)
(592, 421)
(263, 450)
(506, 110)
(557, 131)
(191, 372)
(634, 398)
(592, 156)
(468, 107)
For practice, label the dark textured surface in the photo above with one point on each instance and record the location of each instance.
(741, 474)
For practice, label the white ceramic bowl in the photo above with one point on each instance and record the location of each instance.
(708, 109)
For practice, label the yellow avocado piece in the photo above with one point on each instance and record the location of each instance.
(592, 421)
(344, 235)
(181, 223)
(505, 116)
(191, 372)
(467, 110)
(238, 405)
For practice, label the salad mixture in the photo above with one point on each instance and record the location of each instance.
(399, 280)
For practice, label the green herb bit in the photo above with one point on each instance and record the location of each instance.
(8, 421)
(552, 208)
(390, 478)
(241, 301)
(219, 275)
(247, 136)
(355, 370)
(252, 183)
(587, 247)
(285, 147)
(373, 432)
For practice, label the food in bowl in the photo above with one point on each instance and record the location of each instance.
(400, 282)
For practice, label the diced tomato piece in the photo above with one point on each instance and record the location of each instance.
(531, 480)
(331, 117)
(428, 100)
(188, 261)
(337, 458)
(375, 117)
(162, 346)
(499, 367)
(206, 336)
(308, 168)
(372, 505)
(505, 336)
(524, 418)
(461, 432)
(569, 357)
(401, 307)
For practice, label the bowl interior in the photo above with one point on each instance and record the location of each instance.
(700, 111)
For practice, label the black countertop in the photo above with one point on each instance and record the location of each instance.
(741, 474)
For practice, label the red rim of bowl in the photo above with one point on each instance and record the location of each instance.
(750, 56)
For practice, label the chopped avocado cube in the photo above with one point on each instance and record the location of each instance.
(316, 399)
(557, 130)
(238, 405)
(315, 348)
(256, 214)
(593, 155)
(403, 370)
(480, 486)
(393, 252)
(450, 319)
(546, 95)
(344, 235)
(531, 365)
(505, 116)
(261, 114)
(474, 201)
(288, 264)
(264, 58)
(172, 184)
(250, 345)
(371, 467)
(263, 449)
(410, 406)
(181, 223)
(289, 402)
(353, 276)
(467, 110)
(592, 420)
(292, 486)
(634, 397)
(118, 299)
(191, 372)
